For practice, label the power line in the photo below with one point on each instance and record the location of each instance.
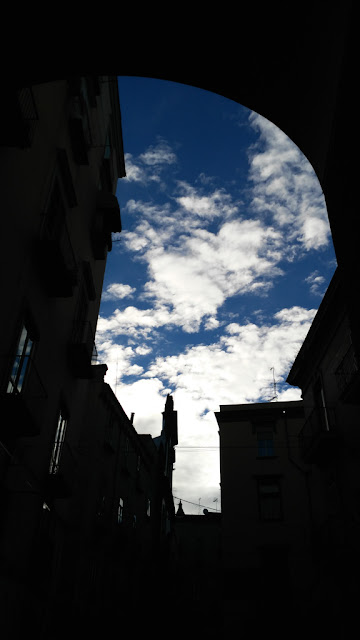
(196, 504)
(213, 448)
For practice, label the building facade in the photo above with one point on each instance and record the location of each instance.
(266, 518)
(61, 155)
(327, 371)
(86, 506)
(197, 571)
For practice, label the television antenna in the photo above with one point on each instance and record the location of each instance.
(275, 396)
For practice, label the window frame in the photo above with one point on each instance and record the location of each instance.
(18, 373)
(120, 511)
(267, 512)
(58, 443)
(265, 444)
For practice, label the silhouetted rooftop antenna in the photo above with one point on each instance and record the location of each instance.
(275, 396)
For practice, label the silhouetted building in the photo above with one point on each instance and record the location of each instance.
(86, 506)
(117, 547)
(60, 159)
(328, 373)
(266, 517)
(197, 573)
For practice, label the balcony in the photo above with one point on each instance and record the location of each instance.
(348, 377)
(106, 220)
(82, 351)
(20, 119)
(79, 144)
(55, 262)
(318, 439)
(61, 482)
(21, 406)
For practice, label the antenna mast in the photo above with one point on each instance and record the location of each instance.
(275, 397)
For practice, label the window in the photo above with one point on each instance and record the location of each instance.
(80, 315)
(120, 513)
(55, 212)
(265, 439)
(269, 495)
(148, 507)
(106, 172)
(20, 364)
(79, 122)
(58, 444)
(54, 255)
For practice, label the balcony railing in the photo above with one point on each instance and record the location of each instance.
(318, 438)
(107, 220)
(20, 119)
(60, 483)
(28, 113)
(82, 350)
(56, 263)
(348, 378)
(21, 406)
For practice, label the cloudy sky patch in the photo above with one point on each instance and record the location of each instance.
(225, 248)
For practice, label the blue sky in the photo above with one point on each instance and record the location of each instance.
(223, 260)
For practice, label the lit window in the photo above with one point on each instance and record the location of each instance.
(265, 439)
(58, 444)
(120, 514)
(20, 362)
(269, 499)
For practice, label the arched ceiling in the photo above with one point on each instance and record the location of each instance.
(293, 64)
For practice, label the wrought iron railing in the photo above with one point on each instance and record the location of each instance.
(28, 113)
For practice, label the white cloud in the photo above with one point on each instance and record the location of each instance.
(191, 276)
(117, 291)
(143, 350)
(236, 369)
(146, 399)
(213, 205)
(134, 173)
(200, 249)
(316, 281)
(286, 187)
(211, 323)
(158, 154)
(148, 165)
